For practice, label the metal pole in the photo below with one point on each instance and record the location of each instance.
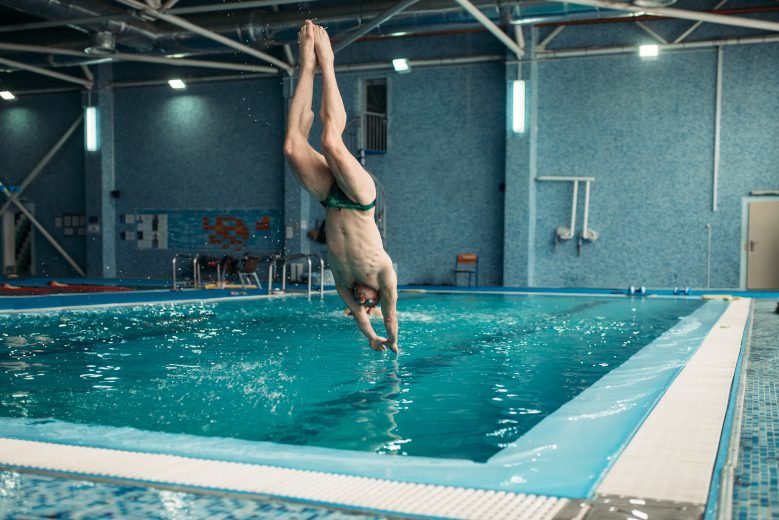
(490, 25)
(46, 72)
(717, 129)
(679, 13)
(380, 19)
(176, 62)
(42, 163)
(180, 22)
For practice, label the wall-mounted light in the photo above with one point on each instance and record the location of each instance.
(7, 95)
(401, 65)
(177, 84)
(648, 51)
(518, 106)
(90, 115)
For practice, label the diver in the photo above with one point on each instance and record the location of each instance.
(362, 269)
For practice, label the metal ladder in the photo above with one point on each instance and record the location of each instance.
(308, 258)
(195, 270)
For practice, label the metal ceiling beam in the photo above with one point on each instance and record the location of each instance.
(670, 12)
(694, 26)
(180, 22)
(177, 62)
(368, 27)
(490, 25)
(46, 72)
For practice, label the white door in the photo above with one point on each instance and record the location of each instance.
(763, 245)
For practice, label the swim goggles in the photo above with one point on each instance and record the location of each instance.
(368, 303)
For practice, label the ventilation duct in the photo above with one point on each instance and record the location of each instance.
(103, 43)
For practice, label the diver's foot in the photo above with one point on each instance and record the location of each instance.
(307, 42)
(324, 50)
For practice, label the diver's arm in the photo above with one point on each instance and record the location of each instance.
(388, 285)
(361, 318)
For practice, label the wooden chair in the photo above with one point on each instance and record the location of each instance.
(467, 263)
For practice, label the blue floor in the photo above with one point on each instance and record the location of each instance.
(26, 496)
(756, 486)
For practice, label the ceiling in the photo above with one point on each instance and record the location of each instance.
(51, 44)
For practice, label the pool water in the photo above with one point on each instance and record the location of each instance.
(474, 373)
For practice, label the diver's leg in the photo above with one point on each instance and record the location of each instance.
(349, 173)
(308, 165)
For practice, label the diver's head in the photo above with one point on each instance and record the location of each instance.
(366, 296)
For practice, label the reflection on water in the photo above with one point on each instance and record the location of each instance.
(474, 372)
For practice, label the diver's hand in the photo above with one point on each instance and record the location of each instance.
(377, 343)
(393, 346)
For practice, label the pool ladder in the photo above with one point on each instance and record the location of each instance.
(195, 270)
(307, 258)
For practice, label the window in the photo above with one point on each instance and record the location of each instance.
(374, 116)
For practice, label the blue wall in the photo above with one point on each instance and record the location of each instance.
(214, 146)
(29, 128)
(643, 129)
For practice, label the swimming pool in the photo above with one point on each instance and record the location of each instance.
(501, 392)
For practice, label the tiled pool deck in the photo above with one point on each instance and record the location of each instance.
(26, 496)
(756, 486)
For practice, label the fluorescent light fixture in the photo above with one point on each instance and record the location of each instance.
(401, 65)
(518, 106)
(91, 129)
(648, 51)
(177, 84)
(7, 95)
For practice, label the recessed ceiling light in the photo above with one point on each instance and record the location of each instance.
(177, 84)
(7, 95)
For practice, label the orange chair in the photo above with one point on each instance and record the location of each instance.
(467, 263)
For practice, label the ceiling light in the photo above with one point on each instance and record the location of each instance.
(7, 95)
(648, 51)
(177, 84)
(401, 65)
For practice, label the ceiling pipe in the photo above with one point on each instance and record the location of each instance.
(131, 32)
(368, 27)
(627, 49)
(180, 22)
(46, 72)
(490, 25)
(176, 62)
(681, 13)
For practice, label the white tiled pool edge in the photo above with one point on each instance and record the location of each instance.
(252, 479)
(672, 456)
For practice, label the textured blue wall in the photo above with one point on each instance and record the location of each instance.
(442, 169)
(212, 146)
(29, 128)
(644, 129)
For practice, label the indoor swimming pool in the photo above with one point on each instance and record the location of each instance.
(475, 373)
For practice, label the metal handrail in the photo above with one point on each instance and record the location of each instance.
(272, 259)
(307, 257)
(195, 269)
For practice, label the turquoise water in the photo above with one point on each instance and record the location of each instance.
(475, 371)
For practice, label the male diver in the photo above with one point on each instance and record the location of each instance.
(361, 268)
